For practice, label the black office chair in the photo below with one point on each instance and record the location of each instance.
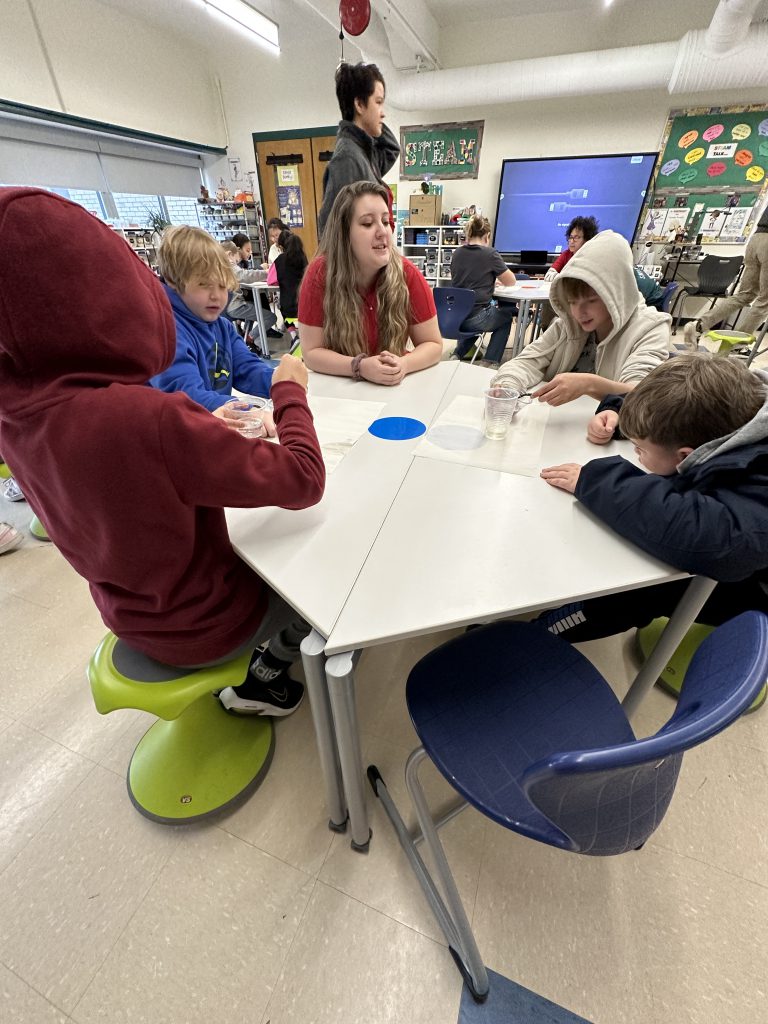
(716, 275)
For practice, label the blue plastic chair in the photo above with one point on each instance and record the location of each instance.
(531, 735)
(453, 307)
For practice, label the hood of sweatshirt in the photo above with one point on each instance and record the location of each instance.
(736, 443)
(605, 264)
(94, 316)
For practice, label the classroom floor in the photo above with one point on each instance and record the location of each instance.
(265, 916)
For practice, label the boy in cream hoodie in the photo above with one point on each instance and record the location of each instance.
(605, 339)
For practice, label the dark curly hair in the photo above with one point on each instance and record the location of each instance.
(587, 225)
(355, 82)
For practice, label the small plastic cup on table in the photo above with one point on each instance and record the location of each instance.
(250, 423)
(500, 406)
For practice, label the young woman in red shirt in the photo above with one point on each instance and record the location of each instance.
(361, 302)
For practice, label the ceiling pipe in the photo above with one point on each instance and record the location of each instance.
(681, 66)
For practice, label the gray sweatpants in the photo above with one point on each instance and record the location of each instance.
(752, 291)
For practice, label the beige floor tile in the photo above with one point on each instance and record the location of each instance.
(19, 1004)
(722, 786)
(36, 775)
(78, 883)
(41, 575)
(118, 756)
(286, 816)
(5, 721)
(210, 937)
(351, 964)
(382, 878)
(651, 937)
(40, 646)
(67, 714)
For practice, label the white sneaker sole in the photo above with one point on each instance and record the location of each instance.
(235, 705)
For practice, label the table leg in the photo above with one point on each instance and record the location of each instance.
(682, 619)
(313, 660)
(520, 326)
(263, 341)
(340, 673)
(757, 343)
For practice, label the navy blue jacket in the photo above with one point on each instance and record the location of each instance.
(710, 518)
(211, 359)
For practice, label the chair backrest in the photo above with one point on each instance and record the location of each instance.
(716, 273)
(453, 307)
(611, 800)
(668, 296)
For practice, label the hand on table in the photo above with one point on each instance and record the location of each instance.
(237, 413)
(384, 368)
(291, 368)
(565, 477)
(601, 427)
(563, 388)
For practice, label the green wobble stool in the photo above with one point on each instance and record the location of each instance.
(4, 471)
(672, 676)
(196, 760)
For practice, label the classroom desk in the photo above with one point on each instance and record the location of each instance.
(528, 294)
(258, 288)
(394, 550)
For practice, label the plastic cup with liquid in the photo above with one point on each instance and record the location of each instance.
(500, 406)
(249, 414)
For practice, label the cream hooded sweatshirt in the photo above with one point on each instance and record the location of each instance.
(638, 341)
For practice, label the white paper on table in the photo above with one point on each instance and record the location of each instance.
(457, 436)
(340, 423)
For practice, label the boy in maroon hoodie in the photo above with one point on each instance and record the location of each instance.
(153, 470)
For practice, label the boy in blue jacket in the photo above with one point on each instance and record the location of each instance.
(699, 426)
(211, 357)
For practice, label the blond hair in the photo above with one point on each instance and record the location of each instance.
(477, 227)
(189, 254)
(691, 399)
(229, 247)
(342, 304)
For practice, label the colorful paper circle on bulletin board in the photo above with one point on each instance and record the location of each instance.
(688, 139)
(762, 149)
(694, 155)
(762, 128)
(755, 173)
(743, 157)
(669, 167)
(716, 169)
(741, 132)
(689, 174)
(713, 132)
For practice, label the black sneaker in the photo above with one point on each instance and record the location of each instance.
(280, 696)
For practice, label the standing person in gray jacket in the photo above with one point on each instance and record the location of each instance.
(365, 147)
(752, 291)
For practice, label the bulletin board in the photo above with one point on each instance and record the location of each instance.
(712, 174)
(441, 150)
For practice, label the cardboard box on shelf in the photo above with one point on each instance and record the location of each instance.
(425, 209)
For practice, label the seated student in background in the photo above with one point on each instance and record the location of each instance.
(605, 340)
(478, 266)
(700, 428)
(360, 301)
(287, 272)
(211, 358)
(244, 250)
(649, 288)
(275, 228)
(81, 429)
(240, 307)
(579, 231)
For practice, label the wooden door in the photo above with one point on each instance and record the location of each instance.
(322, 147)
(301, 149)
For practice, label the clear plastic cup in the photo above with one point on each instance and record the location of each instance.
(247, 411)
(500, 406)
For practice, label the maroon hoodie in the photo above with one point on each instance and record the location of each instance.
(129, 481)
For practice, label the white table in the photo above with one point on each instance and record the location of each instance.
(393, 550)
(257, 288)
(528, 294)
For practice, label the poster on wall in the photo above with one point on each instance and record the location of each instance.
(714, 161)
(289, 195)
(449, 150)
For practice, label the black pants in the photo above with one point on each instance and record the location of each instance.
(606, 616)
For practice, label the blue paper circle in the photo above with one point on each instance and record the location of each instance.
(396, 428)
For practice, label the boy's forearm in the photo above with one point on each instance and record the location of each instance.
(599, 387)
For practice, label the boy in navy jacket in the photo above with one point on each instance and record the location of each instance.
(699, 426)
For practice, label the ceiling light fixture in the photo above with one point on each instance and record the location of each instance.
(247, 17)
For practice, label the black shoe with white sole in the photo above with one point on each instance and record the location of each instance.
(280, 696)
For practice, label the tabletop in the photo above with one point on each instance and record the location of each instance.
(532, 291)
(402, 545)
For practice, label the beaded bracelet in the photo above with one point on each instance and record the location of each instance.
(356, 360)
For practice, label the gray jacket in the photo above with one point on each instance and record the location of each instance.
(357, 157)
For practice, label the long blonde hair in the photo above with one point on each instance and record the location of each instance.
(342, 304)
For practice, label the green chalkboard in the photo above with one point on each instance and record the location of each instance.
(441, 150)
(724, 148)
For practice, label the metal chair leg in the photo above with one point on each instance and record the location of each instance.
(446, 905)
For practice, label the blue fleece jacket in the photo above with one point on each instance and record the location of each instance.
(211, 359)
